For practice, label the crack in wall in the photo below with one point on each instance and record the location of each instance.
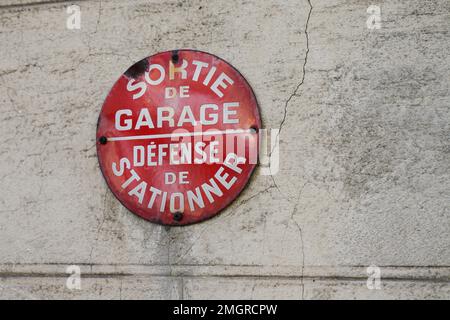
(181, 288)
(90, 39)
(99, 228)
(120, 288)
(277, 143)
(169, 242)
(100, 11)
(302, 245)
(293, 94)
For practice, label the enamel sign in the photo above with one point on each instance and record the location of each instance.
(177, 137)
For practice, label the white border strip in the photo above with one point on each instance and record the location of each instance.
(182, 134)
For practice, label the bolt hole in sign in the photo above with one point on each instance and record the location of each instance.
(177, 137)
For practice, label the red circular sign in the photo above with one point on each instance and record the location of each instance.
(177, 136)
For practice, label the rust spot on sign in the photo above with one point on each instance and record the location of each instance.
(137, 69)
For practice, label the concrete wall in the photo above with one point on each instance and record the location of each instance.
(364, 175)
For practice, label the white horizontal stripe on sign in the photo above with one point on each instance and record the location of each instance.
(182, 134)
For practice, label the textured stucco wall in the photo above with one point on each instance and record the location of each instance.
(364, 167)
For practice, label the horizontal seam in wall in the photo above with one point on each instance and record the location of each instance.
(39, 3)
(12, 264)
(393, 273)
(248, 277)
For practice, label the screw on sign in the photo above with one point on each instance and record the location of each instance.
(177, 137)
